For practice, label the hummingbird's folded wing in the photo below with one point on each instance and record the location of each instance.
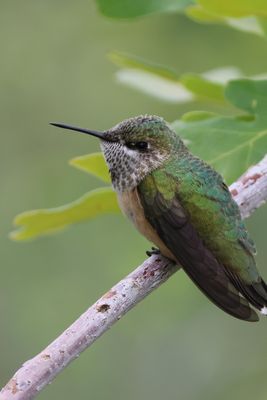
(172, 224)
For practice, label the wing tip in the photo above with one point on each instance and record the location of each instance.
(253, 317)
(244, 313)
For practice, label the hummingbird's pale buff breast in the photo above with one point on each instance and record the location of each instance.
(131, 206)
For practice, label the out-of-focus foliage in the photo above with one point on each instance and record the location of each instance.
(167, 85)
(248, 24)
(245, 15)
(237, 8)
(137, 8)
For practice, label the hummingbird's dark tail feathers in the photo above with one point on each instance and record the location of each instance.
(224, 293)
(255, 293)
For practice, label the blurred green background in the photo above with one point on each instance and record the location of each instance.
(175, 344)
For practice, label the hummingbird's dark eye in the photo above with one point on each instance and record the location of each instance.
(137, 145)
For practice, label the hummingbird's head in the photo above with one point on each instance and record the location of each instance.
(134, 148)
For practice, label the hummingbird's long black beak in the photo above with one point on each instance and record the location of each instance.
(97, 134)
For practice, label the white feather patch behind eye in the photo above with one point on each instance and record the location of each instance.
(264, 310)
(129, 152)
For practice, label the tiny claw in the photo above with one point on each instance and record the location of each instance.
(153, 250)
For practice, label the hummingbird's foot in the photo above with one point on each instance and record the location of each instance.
(153, 250)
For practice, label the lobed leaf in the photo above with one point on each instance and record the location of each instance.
(230, 144)
(33, 224)
(93, 164)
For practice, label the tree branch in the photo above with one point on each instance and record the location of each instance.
(250, 191)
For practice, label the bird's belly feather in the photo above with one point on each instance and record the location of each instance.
(131, 206)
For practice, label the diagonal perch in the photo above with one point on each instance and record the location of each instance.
(250, 192)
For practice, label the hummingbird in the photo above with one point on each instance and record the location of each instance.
(182, 205)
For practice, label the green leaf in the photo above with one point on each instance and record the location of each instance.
(154, 85)
(230, 144)
(129, 61)
(263, 24)
(165, 84)
(249, 24)
(202, 87)
(197, 13)
(93, 164)
(137, 8)
(197, 116)
(46, 221)
(152, 79)
(249, 95)
(235, 8)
